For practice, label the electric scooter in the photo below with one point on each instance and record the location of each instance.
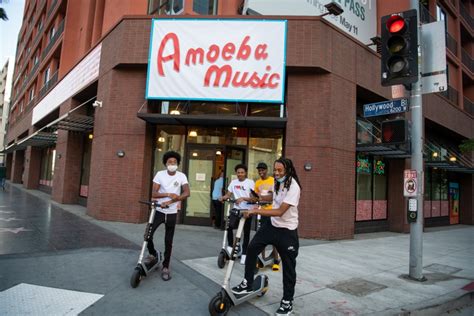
(143, 267)
(221, 303)
(224, 254)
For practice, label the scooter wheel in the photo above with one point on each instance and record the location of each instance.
(221, 259)
(265, 289)
(219, 305)
(136, 278)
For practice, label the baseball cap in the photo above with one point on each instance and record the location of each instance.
(262, 165)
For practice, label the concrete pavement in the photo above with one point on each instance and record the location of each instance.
(364, 276)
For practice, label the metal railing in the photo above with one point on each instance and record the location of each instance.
(53, 40)
(466, 16)
(467, 60)
(468, 106)
(451, 94)
(451, 44)
(48, 85)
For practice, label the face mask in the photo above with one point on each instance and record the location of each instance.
(281, 180)
(172, 168)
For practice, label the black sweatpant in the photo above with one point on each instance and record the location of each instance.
(245, 244)
(287, 243)
(170, 224)
(218, 211)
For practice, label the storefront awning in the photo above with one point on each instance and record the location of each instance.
(212, 120)
(73, 122)
(37, 139)
(449, 166)
(385, 150)
(442, 155)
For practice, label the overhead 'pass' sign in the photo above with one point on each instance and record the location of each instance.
(217, 60)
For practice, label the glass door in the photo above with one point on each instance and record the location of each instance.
(204, 165)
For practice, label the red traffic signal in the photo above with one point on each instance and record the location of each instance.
(395, 24)
(399, 48)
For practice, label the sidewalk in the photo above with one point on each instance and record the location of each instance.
(364, 276)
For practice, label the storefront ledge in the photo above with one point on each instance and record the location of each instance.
(212, 120)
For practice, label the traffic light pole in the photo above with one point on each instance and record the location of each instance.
(416, 228)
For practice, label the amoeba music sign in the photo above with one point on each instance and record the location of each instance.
(217, 60)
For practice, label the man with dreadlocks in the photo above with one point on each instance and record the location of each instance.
(282, 233)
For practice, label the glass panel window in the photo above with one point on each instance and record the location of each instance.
(205, 7)
(265, 145)
(48, 156)
(52, 31)
(168, 138)
(220, 135)
(46, 75)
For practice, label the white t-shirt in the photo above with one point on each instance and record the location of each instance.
(291, 197)
(241, 189)
(170, 184)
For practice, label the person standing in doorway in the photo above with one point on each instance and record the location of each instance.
(282, 233)
(170, 188)
(216, 203)
(240, 189)
(264, 189)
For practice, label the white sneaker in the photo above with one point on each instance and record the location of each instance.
(242, 259)
(229, 250)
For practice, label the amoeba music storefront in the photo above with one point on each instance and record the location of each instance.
(218, 100)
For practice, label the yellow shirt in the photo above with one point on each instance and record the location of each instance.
(265, 187)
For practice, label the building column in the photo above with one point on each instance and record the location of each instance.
(67, 170)
(116, 184)
(32, 167)
(466, 196)
(9, 165)
(396, 203)
(18, 165)
(321, 132)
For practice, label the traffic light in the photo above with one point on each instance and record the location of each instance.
(399, 48)
(394, 131)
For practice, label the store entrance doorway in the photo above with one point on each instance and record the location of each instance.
(204, 165)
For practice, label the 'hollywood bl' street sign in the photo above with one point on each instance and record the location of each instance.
(386, 107)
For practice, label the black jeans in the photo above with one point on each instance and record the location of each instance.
(170, 224)
(287, 243)
(218, 210)
(246, 239)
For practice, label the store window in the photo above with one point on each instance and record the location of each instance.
(217, 135)
(436, 203)
(371, 192)
(48, 158)
(168, 138)
(265, 145)
(86, 165)
(205, 7)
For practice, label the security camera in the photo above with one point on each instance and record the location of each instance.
(97, 104)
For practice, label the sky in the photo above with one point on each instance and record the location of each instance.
(9, 29)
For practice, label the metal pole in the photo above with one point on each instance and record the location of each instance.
(416, 229)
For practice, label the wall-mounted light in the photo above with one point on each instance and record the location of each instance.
(308, 166)
(59, 156)
(218, 153)
(175, 112)
(195, 154)
(193, 134)
(91, 136)
(120, 153)
(452, 159)
(161, 139)
(435, 154)
(234, 128)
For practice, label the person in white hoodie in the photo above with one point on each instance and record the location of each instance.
(170, 188)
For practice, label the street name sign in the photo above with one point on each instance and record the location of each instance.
(386, 107)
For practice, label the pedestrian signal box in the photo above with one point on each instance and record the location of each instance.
(399, 35)
(394, 131)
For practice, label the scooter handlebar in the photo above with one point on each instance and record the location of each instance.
(153, 203)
